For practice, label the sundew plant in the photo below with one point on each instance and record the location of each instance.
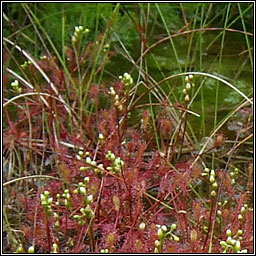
(127, 127)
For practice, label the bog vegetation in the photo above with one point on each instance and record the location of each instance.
(127, 128)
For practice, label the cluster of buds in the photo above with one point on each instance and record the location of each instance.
(56, 217)
(25, 64)
(79, 30)
(232, 244)
(46, 202)
(211, 174)
(87, 200)
(82, 154)
(117, 163)
(106, 47)
(126, 79)
(162, 234)
(92, 164)
(116, 99)
(189, 84)
(67, 198)
(233, 175)
(87, 213)
(243, 210)
(15, 86)
(221, 205)
(104, 251)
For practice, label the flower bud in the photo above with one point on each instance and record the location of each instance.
(228, 232)
(173, 227)
(164, 228)
(188, 86)
(160, 233)
(237, 245)
(31, 249)
(82, 168)
(187, 98)
(213, 193)
(157, 243)
(142, 226)
(212, 179)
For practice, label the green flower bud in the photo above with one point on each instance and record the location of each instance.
(164, 228)
(82, 210)
(31, 249)
(82, 190)
(229, 239)
(176, 238)
(160, 233)
(240, 217)
(78, 157)
(90, 199)
(207, 170)
(188, 86)
(82, 168)
(55, 248)
(101, 137)
(20, 249)
(57, 224)
(191, 77)
(187, 79)
(187, 98)
(93, 163)
(233, 242)
(156, 250)
(76, 217)
(237, 245)
(157, 243)
(173, 227)
(243, 210)
(81, 153)
(228, 232)
(213, 193)
(214, 185)
(223, 243)
(88, 160)
(239, 232)
(86, 180)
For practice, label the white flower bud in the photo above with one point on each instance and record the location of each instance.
(31, 249)
(188, 86)
(187, 98)
(82, 190)
(228, 232)
(142, 226)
